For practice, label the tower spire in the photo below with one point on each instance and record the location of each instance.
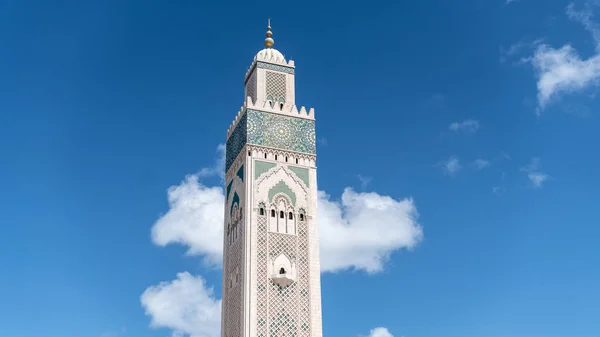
(269, 42)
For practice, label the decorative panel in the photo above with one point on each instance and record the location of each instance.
(262, 278)
(271, 130)
(301, 172)
(233, 298)
(251, 87)
(275, 67)
(283, 302)
(275, 85)
(283, 132)
(261, 167)
(303, 281)
(236, 142)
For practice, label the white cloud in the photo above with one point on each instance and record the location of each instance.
(380, 332)
(480, 164)
(508, 2)
(451, 166)
(537, 178)
(194, 219)
(534, 175)
(562, 71)
(360, 232)
(219, 167)
(466, 126)
(185, 305)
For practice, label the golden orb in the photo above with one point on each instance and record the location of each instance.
(269, 42)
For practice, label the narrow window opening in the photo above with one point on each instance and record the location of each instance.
(281, 214)
(265, 156)
(249, 154)
(290, 216)
(261, 211)
(275, 157)
(280, 106)
(273, 213)
(301, 217)
(296, 160)
(286, 159)
(281, 271)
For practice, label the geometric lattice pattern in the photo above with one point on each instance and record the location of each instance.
(251, 87)
(262, 278)
(271, 130)
(303, 281)
(236, 142)
(233, 286)
(275, 85)
(275, 67)
(282, 132)
(283, 302)
(282, 312)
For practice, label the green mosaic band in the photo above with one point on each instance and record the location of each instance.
(271, 130)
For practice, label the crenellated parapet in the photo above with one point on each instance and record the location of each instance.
(285, 109)
(263, 127)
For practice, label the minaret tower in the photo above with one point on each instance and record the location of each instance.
(271, 274)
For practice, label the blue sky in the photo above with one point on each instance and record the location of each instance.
(479, 116)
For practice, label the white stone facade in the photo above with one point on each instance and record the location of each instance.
(271, 271)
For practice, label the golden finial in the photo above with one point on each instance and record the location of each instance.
(269, 42)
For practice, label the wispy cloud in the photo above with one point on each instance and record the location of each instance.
(322, 141)
(480, 164)
(218, 168)
(364, 181)
(380, 332)
(518, 49)
(451, 166)
(466, 126)
(508, 2)
(561, 70)
(532, 170)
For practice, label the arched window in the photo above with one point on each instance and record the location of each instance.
(296, 160)
(275, 157)
(272, 213)
(290, 216)
(301, 217)
(286, 159)
(265, 156)
(261, 211)
(281, 271)
(281, 216)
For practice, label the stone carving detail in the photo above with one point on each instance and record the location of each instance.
(275, 67)
(283, 311)
(271, 130)
(262, 278)
(236, 142)
(275, 86)
(233, 285)
(251, 87)
(283, 302)
(282, 153)
(303, 280)
(282, 132)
